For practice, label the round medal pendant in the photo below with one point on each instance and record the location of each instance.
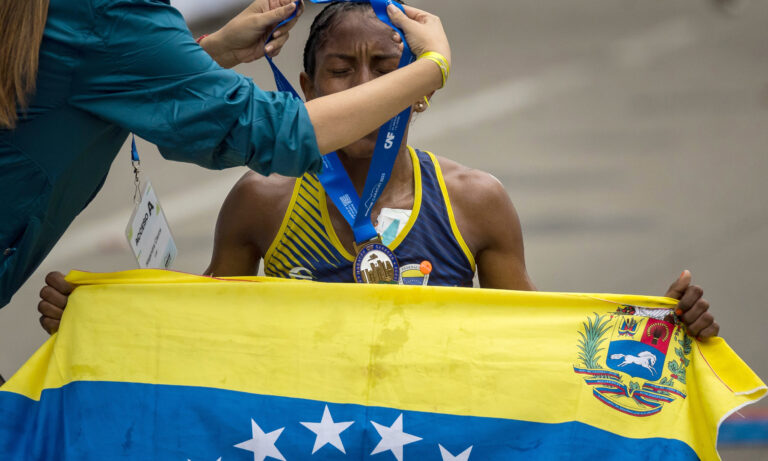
(375, 263)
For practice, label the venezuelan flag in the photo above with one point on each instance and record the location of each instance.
(155, 365)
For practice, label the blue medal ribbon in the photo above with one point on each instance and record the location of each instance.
(333, 177)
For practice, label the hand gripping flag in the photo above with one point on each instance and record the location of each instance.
(155, 365)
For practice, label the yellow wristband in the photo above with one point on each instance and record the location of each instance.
(441, 62)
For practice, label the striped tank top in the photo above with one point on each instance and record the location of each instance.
(307, 247)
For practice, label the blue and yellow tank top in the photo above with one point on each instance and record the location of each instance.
(307, 247)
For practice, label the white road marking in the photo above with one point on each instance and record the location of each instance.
(664, 39)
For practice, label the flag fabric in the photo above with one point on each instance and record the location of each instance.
(158, 365)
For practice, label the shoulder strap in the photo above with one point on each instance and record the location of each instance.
(449, 210)
(286, 219)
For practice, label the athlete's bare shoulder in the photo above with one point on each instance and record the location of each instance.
(255, 206)
(477, 183)
(480, 203)
(255, 187)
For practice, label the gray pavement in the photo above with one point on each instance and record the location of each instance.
(632, 137)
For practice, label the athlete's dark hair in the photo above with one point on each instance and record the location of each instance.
(321, 26)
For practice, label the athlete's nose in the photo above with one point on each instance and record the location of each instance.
(365, 74)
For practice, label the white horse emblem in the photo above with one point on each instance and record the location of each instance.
(645, 359)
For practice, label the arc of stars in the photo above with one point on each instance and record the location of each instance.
(328, 432)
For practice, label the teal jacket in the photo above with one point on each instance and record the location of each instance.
(111, 67)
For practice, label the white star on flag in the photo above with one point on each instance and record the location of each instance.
(447, 456)
(262, 445)
(393, 438)
(327, 431)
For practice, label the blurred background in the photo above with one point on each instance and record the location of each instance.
(631, 135)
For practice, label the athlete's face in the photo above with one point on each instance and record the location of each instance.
(357, 49)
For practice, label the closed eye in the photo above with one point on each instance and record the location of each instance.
(340, 71)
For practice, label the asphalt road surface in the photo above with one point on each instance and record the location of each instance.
(631, 135)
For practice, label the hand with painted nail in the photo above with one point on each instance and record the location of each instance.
(693, 309)
(53, 301)
(242, 39)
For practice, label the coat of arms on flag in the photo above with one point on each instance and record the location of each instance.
(643, 366)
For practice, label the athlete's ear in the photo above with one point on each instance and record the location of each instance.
(422, 104)
(307, 86)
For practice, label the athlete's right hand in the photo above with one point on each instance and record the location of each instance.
(423, 31)
(54, 296)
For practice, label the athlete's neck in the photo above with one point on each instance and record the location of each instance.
(402, 171)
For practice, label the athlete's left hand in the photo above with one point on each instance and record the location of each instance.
(693, 308)
(242, 39)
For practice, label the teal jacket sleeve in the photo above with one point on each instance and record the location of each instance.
(147, 74)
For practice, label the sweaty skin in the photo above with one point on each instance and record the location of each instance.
(358, 49)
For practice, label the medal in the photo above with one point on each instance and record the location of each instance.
(375, 263)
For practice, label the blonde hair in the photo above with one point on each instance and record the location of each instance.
(21, 30)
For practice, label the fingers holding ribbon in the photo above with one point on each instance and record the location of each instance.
(283, 21)
(275, 45)
(280, 36)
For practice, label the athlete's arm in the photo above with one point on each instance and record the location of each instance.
(233, 252)
(501, 257)
(490, 226)
(244, 216)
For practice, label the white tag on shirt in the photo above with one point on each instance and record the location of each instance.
(391, 222)
(148, 233)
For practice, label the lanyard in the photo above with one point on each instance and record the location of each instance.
(333, 177)
(134, 152)
(136, 164)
